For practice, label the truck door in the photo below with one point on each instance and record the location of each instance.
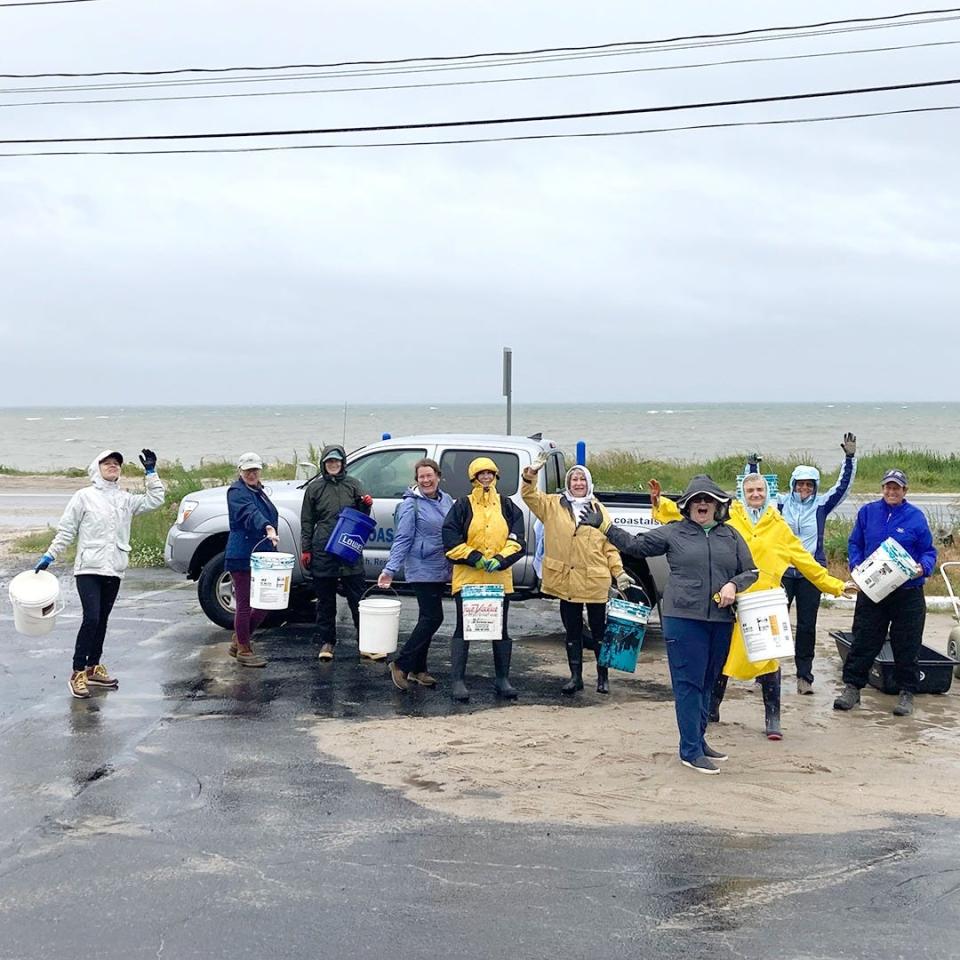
(385, 475)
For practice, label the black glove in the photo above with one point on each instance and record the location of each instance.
(753, 463)
(591, 517)
(849, 445)
(149, 460)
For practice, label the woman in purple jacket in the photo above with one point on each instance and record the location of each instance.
(418, 549)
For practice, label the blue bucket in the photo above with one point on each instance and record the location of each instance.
(349, 535)
(623, 637)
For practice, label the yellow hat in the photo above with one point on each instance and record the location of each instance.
(481, 463)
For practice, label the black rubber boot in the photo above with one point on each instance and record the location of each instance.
(575, 661)
(716, 698)
(502, 651)
(459, 651)
(770, 685)
(603, 679)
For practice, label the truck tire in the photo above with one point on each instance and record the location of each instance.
(215, 592)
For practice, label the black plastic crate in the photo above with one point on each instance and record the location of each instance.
(936, 670)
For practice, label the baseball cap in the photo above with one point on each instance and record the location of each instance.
(894, 476)
(249, 461)
(333, 455)
(113, 455)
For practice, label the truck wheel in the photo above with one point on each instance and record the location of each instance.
(215, 592)
(953, 649)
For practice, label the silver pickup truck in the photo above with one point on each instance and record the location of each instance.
(196, 542)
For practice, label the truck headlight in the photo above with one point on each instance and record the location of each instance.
(186, 508)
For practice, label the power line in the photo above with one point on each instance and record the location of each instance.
(435, 68)
(472, 140)
(467, 83)
(42, 3)
(754, 31)
(436, 125)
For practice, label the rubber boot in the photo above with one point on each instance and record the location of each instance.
(603, 679)
(575, 662)
(502, 650)
(716, 698)
(770, 685)
(459, 651)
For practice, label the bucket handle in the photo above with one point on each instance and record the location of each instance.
(646, 600)
(375, 587)
(264, 540)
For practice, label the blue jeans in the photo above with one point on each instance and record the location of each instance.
(696, 652)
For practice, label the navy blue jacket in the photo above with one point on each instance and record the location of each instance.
(906, 524)
(250, 511)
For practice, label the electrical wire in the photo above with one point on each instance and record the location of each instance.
(41, 3)
(754, 31)
(180, 151)
(395, 71)
(495, 121)
(467, 83)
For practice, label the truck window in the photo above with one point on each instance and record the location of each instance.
(554, 478)
(454, 463)
(386, 473)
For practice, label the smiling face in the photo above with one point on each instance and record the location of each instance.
(578, 483)
(110, 468)
(804, 489)
(485, 478)
(703, 509)
(755, 492)
(251, 477)
(427, 481)
(332, 467)
(893, 494)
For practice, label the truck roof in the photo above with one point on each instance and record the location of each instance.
(467, 439)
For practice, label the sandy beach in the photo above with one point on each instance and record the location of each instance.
(613, 760)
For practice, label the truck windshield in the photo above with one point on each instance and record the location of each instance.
(454, 463)
(385, 474)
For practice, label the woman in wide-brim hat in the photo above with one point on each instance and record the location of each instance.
(710, 564)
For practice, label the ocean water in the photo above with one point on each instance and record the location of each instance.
(48, 438)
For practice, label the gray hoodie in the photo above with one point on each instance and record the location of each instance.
(700, 561)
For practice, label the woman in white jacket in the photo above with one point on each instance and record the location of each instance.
(98, 518)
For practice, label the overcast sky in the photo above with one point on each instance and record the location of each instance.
(815, 261)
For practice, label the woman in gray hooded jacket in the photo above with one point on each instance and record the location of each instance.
(710, 564)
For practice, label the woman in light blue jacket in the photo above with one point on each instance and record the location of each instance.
(418, 548)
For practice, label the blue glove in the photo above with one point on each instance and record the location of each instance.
(492, 565)
(45, 562)
(149, 460)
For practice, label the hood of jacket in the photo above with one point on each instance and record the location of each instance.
(566, 485)
(804, 472)
(96, 477)
(703, 483)
(754, 514)
(324, 455)
(482, 463)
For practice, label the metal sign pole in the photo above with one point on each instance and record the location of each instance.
(508, 385)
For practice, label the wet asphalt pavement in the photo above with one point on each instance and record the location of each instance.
(189, 815)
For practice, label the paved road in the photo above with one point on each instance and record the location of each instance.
(188, 815)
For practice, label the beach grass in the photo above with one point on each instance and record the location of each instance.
(927, 470)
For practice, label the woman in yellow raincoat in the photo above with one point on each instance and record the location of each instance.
(774, 547)
(483, 536)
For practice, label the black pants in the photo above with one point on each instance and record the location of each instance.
(904, 612)
(807, 597)
(97, 596)
(413, 657)
(572, 616)
(325, 589)
(458, 629)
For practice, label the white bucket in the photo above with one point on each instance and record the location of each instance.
(270, 575)
(888, 567)
(482, 611)
(764, 620)
(34, 597)
(379, 625)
